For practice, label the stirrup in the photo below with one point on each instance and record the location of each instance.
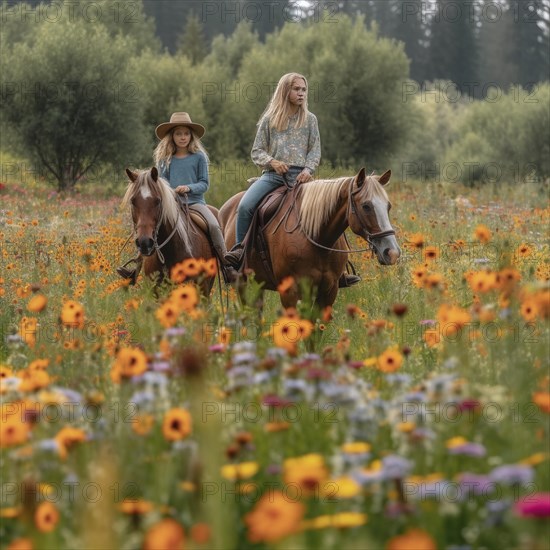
(347, 279)
(131, 274)
(234, 256)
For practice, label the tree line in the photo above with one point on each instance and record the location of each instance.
(469, 42)
(84, 83)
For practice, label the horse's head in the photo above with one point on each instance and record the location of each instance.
(145, 195)
(368, 215)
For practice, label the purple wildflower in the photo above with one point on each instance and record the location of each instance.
(512, 474)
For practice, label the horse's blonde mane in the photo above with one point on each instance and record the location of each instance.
(320, 199)
(170, 211)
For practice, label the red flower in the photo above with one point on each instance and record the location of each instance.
(535, 506)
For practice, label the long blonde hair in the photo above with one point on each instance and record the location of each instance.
(166, 148)
(279, 110)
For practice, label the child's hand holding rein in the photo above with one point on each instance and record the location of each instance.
(279, 167)
(304, 176)
(182, 189)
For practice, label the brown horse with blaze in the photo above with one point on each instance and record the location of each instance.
(305, 238)
(165, 233)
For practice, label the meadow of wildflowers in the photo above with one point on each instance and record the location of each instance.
(413, 415)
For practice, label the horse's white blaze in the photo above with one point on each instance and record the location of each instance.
(145, 192)
(381, 212)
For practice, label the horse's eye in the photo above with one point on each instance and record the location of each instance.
(366, 207)
(157, 201)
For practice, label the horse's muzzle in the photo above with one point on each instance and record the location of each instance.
(391, 255)
(146, 246)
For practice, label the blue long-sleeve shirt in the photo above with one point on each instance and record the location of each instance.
(191, 171)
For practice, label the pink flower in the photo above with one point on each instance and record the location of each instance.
(537, 505)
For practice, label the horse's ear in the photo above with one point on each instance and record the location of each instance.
(132, 175)
(360, 177)
(154, 173)
(384, 178)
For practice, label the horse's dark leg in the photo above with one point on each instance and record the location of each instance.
(326, 295)
(290, 297)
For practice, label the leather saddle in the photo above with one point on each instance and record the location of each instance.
(255, 243)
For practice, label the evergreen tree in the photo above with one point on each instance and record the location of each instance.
(496, 45)
(266, 16)
(170, 17)
(531, 43)
(410, 28)
(453, 44)
(192, 42)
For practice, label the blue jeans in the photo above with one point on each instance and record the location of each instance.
(269, 181)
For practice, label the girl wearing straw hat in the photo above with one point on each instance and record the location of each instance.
(182, 160)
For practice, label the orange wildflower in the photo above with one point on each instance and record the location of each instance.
(432, 337)
(143, 424)
(5, 372)
(413, 539)
(200, 533)
(186, 269)
(37, 303)
(542, 400)
(430, 253)
(285, 285)
(167, 314)
(27, 330)
(415, 240)
(167, 534)
(390, 361)
(507, 278)
(529, 309)
(135, 507)
(177, 424)
(210, 267)
(38, 364)
(482, 233)
(434, 281)
(273, 518)
(185, 297)
(67, 437)
(419, 274)
(482, 281)
(13, 431)
(542, 299)
(33, 380)
(21, 544)
(524, 250)
(46, 517)
(288, 331)
(308, 472)
(452, 318)
(72, 314)
(130, 362)
(273, 427)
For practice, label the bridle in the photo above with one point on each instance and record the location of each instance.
(351, 209)
(157, 247)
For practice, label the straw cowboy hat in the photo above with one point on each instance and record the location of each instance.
(179, 119)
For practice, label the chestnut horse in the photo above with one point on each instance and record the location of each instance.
(165, 234)
(305, 238)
